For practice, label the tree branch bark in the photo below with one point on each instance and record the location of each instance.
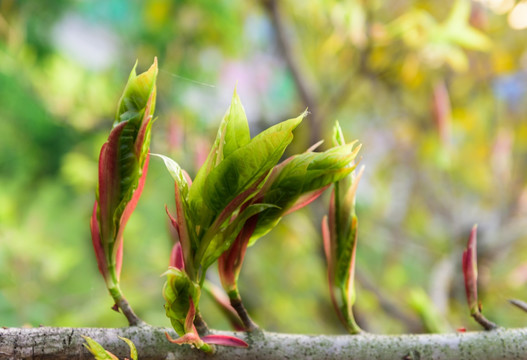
(66, 343)
(305, 89)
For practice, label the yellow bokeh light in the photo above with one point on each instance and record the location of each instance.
(518, 16)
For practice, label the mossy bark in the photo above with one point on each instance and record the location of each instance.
(66, 343)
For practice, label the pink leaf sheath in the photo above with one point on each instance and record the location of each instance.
(230, 262)
(108, 189)
(184, 238)
(176, 257)
(147, 118)
(128, 210)
(173, 220)
(470, 271)
(189, 338)
(326, 237)
(189, 320)
(235, 203)
(96, 240)
(351, 273)
(224, 340)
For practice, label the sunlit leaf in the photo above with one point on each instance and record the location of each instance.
(133, 350)
(97, 350)
(245, 165)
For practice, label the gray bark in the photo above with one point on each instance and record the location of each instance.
(66, 343)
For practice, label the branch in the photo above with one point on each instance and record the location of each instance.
(66, 343)
(305, 89)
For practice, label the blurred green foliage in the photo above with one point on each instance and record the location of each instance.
(433, 90)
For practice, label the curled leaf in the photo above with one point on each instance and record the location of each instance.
(97, 350)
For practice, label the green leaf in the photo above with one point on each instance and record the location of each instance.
(300, 175)
(136, 95)
(178, 291)
(133, 350)
(224, 239)
(246, 164)
(97, 350)
(233, 133)
(177, 174)
(123, 165)
(237, 129)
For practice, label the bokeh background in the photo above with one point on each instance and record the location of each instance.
(434, 90)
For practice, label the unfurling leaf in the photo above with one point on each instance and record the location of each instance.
(180, 294)
(470, 274)
(299, 180)
(102, 354)
(97, 350)
(470, 271)
(123, 164)
(133, 350)
(339, 232)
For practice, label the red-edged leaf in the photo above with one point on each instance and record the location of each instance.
(332, 227)
(224, 215)
(230, 262)
(224, 340)
(349, 197)
(350, 288)
(189, 320)
(326, 237)
(173, 220)
(128, 210)
(96, 240)
(176, 257)
(306, 199)
(187, 177)
(315, 146)
(182, 228)
(147, 118)
(470, 271)
(236, 202)
(109, 183)
(119, 260)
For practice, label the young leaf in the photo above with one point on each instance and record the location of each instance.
(225, 237)
(233, 133)
(339, 232)
(123, 164)
(133, 350)
(183, 221)
(180, 294)
(246, 164)
(237, 129)
(302, 177)
(97, 350)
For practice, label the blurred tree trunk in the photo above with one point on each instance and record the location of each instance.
(66, 343)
